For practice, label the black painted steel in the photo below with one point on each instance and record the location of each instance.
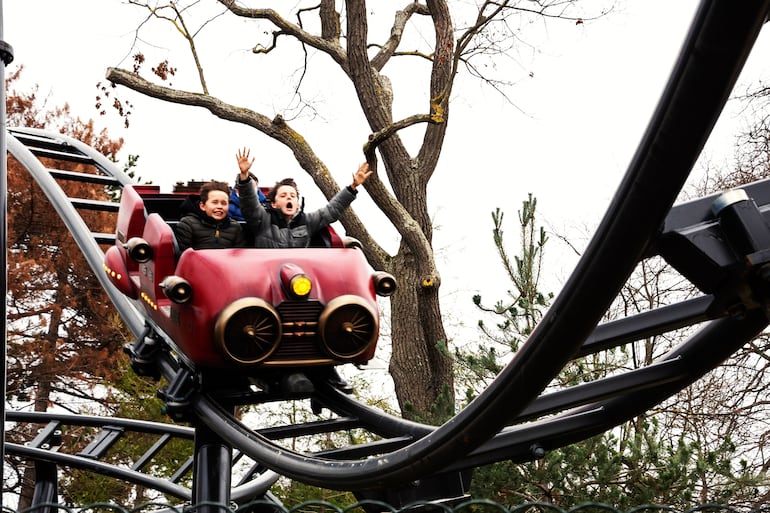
(211, 475)
(46, 472)
(698, 355)
(100, 467)
(652, 322)
(46, 486)
(45, 448)
(6, 52)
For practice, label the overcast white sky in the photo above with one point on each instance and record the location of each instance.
(568, 140)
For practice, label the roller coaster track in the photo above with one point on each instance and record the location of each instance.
(721, 243)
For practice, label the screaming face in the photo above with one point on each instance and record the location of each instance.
(286, 201)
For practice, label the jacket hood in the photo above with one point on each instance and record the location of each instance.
(190, 205)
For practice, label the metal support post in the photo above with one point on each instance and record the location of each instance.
(211, 472)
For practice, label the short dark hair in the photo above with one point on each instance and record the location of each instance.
(213, 185)
(286, 181)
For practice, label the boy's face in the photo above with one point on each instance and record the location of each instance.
(216, 205)
(286, 200)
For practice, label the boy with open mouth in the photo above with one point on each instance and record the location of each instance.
(284, 224)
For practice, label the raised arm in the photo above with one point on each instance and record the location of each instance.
(254, 214)
(342, 200)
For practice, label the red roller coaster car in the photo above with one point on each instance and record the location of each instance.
(248, 308)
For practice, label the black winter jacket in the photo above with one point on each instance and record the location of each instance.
(198, 231)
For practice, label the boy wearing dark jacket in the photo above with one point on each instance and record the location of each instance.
(207, 225)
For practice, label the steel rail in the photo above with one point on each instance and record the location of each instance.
(73, 221)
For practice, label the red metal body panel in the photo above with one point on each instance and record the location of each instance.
(131, 219)
(131, 215)
(115, 267)
(160, 237)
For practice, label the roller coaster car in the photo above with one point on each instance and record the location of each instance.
(246, 308)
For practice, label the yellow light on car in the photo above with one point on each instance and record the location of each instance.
(301, 285)
(295, 282)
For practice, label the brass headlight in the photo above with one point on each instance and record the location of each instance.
(296, 283)
(300, 285)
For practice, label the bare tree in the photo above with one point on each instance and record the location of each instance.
(420, 365)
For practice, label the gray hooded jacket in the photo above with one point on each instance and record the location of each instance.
(270, 228)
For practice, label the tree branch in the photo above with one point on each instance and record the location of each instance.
(378, 137)
(388, 49)
(177, 21)
(328, 46)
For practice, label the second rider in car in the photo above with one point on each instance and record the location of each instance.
(285, 225)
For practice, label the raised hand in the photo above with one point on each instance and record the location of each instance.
(244, 162)
(361, 175)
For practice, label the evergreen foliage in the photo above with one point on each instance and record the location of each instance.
(654, 458)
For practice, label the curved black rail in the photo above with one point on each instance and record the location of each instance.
(45, 448)
(513, 419)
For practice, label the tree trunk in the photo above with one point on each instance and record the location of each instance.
(42, 397)
(42, 392)
(420, 364)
